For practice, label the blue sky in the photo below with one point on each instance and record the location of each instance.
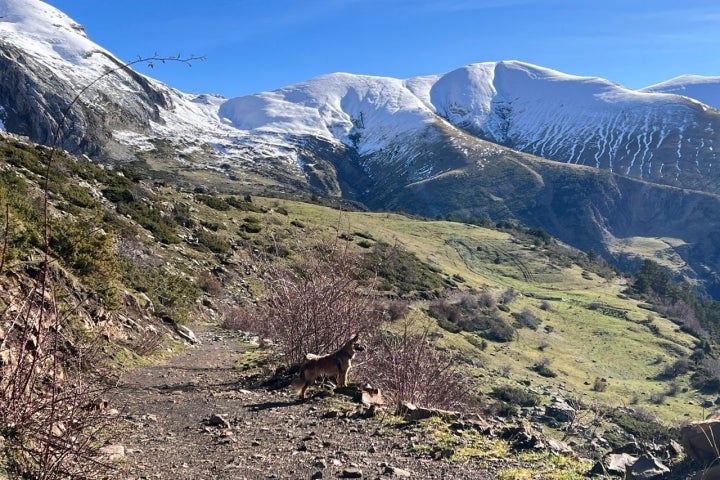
(257, 45)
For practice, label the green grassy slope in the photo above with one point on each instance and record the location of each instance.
(194, 254)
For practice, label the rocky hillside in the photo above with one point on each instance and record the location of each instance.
(442, 146)
(529, 319)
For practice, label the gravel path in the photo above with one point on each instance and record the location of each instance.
(197, 417)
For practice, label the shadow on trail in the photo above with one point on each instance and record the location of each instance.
(256, 407)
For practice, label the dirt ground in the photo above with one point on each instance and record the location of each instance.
(197, 416)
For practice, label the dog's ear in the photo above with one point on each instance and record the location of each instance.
(354, 338)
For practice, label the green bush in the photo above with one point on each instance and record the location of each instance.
(515, 396)
(399, 270)
(244, 205)
(25, 225)
(216, 203)
(172, 294)
(88, 250)
(149, 217)
(213, 242)
(640, 424)
(251, 224)
(118, 194)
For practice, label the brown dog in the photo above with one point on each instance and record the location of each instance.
(334, 365)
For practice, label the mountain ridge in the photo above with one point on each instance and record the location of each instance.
(469, 143)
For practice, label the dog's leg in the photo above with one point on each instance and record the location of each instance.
(310, 377)
(342, 378)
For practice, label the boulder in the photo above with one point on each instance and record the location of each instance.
(187, 334)
(522, 436)
(397, 472)
(351, 472)
(216, 420)
(371, 396)
(560, 410)
(616, 464)
(701, 440)
(112, 453)
(646, 467)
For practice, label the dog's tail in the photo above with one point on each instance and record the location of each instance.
(297, 384)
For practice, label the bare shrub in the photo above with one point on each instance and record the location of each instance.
(211, 285)
(51, 423)
(408, 368)
(486, 300)
(657, 398)
(48, 422)
(672, 389)
(499, 330)
(508, 295)
(526, 318)
(313, 305)
(679, 367)
(542, 368)
(397, 309)
(600, 384)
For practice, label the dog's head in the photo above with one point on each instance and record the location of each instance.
(355, 345)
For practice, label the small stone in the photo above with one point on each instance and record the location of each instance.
(113, 452)
(397, 472)
(351, 472)
(217, 420)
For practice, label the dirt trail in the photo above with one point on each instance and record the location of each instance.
(261, 433)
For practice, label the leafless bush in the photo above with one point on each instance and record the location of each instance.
(211, 284)
(314, 305)
(600, 384)
(147, 343)
(48, 422)
(397, 309)
(408, 368)
(672, 389)
(508, 295)
(486, 300)
(679, 367)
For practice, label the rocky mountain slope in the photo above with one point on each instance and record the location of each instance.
(133, 257)
(467, 143)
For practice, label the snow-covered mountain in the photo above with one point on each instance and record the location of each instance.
(702, 89)
(46, 59)
(466, 143)
(654, 134)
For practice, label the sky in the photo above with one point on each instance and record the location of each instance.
(251, 46)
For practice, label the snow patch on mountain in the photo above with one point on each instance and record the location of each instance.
(700, 88)
(46, 33)
(364, 111)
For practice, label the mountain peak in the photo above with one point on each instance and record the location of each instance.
(701, 88)
(43, 30)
